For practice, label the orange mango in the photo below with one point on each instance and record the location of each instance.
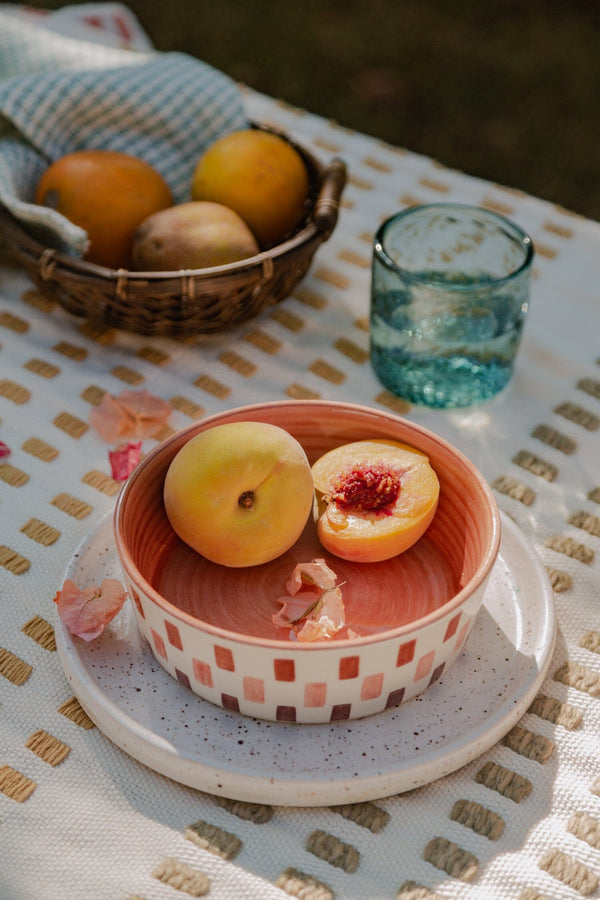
(106, 193)
(260, 176)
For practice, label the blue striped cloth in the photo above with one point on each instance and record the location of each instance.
(59, 94)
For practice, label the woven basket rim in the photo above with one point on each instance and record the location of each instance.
(51, 257)
(57, 261)
(184, 301)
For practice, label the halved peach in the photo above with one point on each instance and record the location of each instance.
(374, 499)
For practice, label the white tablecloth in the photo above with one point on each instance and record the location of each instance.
(79, 817)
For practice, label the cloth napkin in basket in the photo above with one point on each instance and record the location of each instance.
(60, 93)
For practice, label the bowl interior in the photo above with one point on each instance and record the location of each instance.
(443, 567)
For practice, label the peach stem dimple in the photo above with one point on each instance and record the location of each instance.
(246, 500)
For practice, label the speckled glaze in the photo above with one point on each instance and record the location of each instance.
(210, 627)
(159, 722)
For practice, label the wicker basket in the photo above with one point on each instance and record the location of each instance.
(187, 302)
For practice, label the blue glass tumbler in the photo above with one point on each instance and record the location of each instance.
(449, 297)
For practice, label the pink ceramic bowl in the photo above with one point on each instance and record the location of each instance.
(211, 627)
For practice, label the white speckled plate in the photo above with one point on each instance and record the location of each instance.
(164, 725)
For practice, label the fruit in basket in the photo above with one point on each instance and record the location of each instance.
(375, 499)
(240, 493)
(192, 235)
(260, 176)
(107, 194)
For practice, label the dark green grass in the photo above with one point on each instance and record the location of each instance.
(506, 90)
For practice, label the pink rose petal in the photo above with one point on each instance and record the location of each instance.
(86, 612)
(124, 459)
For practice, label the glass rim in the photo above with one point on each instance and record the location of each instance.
(525, 240)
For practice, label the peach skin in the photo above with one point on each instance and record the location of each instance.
(239, 493)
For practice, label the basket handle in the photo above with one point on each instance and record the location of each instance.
(325, 211)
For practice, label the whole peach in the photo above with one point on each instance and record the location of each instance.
(240, 493)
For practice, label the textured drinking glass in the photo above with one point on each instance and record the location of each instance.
(449, 296)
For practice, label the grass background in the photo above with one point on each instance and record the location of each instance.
(503, 89)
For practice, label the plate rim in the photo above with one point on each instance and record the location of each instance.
(236, 782)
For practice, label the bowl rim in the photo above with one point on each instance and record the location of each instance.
(281, 645)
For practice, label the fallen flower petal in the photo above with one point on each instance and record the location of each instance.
(132, 414)
(4, 450)
(327, 619)
(110, 420)
(314, 608)
(313, 574)
(149, 412)
(124, 459)
(86, 612)
(294, 608)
